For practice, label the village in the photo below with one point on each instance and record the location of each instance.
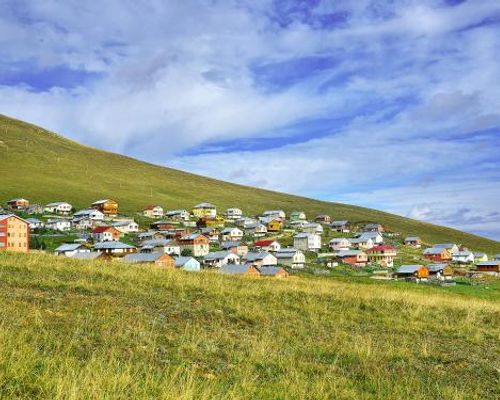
(272, 244)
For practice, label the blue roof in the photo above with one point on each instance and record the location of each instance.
(234, 268)
(112, 245)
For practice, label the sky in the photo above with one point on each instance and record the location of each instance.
(393, 104)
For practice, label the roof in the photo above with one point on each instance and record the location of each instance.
(256, 255)
(339, 223)
(204, 205)
(101, 229)
(123, 223)
(86, 211)
(152, 207)
(382, 248)
(89, 255)
(102, 201)
(228, 244)
(5, 216)
(433, 250)
(191, 236)
(348, 253)
(409, 269)
(235, 268)
(436, 267)
(444, 245)
(264, 243)
(488, 263)
(57, 203)
(112, 245)
(176, 212)
(270, 271)
(287, 253)
(16, 199)
(229, 230)
(180, 261)
(142, 257)
(218, 255)
(159, 242)
(68, 247)
(462, 254)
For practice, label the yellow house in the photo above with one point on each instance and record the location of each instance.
(204, 210)
(275, 225)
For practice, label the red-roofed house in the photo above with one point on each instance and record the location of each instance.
(267, 245)
(383, 255)
(106, 234)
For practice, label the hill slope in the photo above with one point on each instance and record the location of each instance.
(43, 167)
(74, 329)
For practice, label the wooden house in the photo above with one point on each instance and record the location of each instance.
(275, 272)
(107, 206)
(18, 204)
(161, 225)
(492, 267)
(210, 222)
(356, 258)
(274, 225)
(437, 254)
(114, 248)
(441, 270)
(14, 234)
(323, 219)
(412, 271)
(236, 247)
(153, 211)
(238, 269)
(106, 234)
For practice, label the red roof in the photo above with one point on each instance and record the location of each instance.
(264, 243)
(382, 248)
(101, 229)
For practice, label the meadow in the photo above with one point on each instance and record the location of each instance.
(84, 330)
(45, 167)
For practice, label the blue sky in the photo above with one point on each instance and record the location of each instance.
(393, 105)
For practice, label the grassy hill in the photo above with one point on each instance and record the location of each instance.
(43, 167)
(74, 329)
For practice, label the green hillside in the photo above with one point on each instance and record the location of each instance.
(43, 167)
(74, 329)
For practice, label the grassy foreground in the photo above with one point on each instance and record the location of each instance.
(83, 330)
(45, 167)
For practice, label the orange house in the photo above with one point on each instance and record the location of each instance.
(107, 206)
(275, 225)
(14, 234)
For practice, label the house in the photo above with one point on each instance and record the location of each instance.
(153, 211)
(18, 204)
(451, 247)
(161, 260)
(61, 225)
(436, 254)
(178, 215)
(106, 234)
(274, 225)
(14, 234)
(373, 228)
(274, 214)
(210, 222)
(291, 257)
(259, 258)
(34, 209)
(413, 241)
(246, 222)
(340, 244)
(440, 270)
(91, 255)
(376, 237)
(204, 210)
(298, 224)
(35, 223)
(233, 213)
(412, 271)
(90, 213)
(298, 216)
(313, 227)
(107, 207)
(463, 257)
(276, 272)
(231, 234)
(70, 249)
(382, 255)
(211, 233)
(480, 257)
(341, 226)
(257, 229)
(361, 243)
(161, 225)
(491, 267)
(323, 219)
(114, 248)
(356, 258)
(307, 241)
(219, 258)
(267, 245)
(236, 269)
(187, 263)
(150, 235)
(161, 246)
(59, 207)
(198, 244)
(236, 247)
(129, 226)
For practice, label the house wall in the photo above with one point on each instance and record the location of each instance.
(14, 235)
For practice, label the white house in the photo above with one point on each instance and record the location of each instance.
(340, 244)
(35, 223)
(362, 243)
(246, 222)
(307, 241)
(267, 245)
(257, 229)
(272, 214)
(219, 258)
(298, 224)
(234, 213)
(313, 227)
(376, 237)
(153, 211)
(61, 225)
(178, 215)
(83, 223)
(260, 258)
(90, 213)
(291, 257)
(70, 249)
(451, 247)
(161, 245)
(231, 234)
(129, 226)
(463, 257)
(59, 207)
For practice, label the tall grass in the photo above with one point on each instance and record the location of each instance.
(81, 330)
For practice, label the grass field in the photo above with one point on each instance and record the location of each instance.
(45, 167)
(84, 330)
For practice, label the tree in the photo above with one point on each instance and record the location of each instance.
(186, 252)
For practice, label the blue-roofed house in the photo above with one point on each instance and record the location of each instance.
(219, 258)
(70, 249)
(276, 272)
(187, 263)
(240, 269)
